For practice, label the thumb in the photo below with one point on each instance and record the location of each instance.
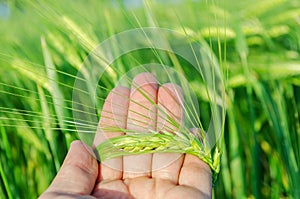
(78, 173)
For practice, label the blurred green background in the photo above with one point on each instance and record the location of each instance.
(258, 47)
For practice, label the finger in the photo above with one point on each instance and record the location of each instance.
(78, 172)
(169, 118)
(113, 119)
(196, 174)
(141, 118)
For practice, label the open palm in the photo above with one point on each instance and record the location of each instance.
(142, 108)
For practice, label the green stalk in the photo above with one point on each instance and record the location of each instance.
(3, 175)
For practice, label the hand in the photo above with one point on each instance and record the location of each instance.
(138, 176)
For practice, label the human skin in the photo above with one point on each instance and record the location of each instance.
(163, 175)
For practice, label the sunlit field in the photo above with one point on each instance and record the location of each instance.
(256, 46)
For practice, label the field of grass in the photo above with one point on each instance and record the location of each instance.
(257, 44)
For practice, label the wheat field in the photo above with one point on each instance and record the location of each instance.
(256, 45)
